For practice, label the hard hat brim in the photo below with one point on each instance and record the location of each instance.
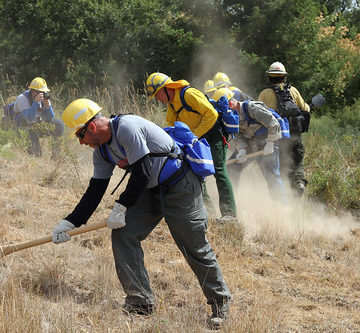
(273, 73)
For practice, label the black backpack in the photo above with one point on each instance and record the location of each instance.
(299, 120)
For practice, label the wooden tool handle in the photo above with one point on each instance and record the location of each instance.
(21, 246)
(251, 155)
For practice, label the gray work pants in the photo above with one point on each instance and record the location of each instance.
(186, 218)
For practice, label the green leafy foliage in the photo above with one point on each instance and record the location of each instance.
(332, 162)
(78, 42)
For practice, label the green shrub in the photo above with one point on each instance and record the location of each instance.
(349, 118)
(332, 163)
(10, 138)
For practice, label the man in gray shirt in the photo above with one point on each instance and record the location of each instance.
(135, 143)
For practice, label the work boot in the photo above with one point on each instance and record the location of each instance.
(300, 188)
(227, 219)
(139, 309)
(219, 313)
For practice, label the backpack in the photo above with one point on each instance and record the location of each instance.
(187, 147)
(299, 120)
(196, 151)
(229, 118)
(284, 123)
(9, 117)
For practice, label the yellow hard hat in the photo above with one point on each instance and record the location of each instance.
(209, 86)
(220, 80)
(276, 69)
(234, 89)
(223, 92)
(79, 112)
(155, 82)
(39, 84)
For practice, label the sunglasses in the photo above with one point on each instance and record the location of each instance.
(81, 134)
(150, 89)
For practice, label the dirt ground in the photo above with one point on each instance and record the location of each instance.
(290, 269)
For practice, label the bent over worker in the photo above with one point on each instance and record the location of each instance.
(259, 130)
(133, 142)
(203, 121)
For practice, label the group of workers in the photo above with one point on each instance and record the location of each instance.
(259, 131)
(284, 160)
(132, 142)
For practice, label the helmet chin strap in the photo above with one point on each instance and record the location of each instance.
(167, 94)
(168, 97)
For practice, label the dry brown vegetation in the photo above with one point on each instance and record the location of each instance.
(297, 269)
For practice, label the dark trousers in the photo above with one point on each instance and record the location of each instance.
(291, 153)
(54, 129)
(185, 214)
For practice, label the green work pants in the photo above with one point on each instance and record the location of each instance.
(226, 195)
(186, 217)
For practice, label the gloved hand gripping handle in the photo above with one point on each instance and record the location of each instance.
(5, 250)
(251, 155)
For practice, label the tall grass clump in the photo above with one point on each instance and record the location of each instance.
(332, 159)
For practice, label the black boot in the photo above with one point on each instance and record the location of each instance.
(219, 313)
(139, 309)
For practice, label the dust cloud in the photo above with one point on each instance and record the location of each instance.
(256, 209)
(302, 216)
(221, 58)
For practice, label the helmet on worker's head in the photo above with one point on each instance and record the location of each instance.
(276, 69)
(209, 86)
(79, 112)
(234, 89)
(39, 84)
(221, 80)
(237, 93)
(223, 92)
(155, 82)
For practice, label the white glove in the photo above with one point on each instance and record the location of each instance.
(268, 148)
(59, 234)
(117, 217)
(241, 156)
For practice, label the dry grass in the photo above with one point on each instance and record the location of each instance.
(296, 270)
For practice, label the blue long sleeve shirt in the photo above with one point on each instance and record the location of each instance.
(30, 109)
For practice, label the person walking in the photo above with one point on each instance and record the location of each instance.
(291, 150)
(34, 113)
(189, 105)
(143, 147)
